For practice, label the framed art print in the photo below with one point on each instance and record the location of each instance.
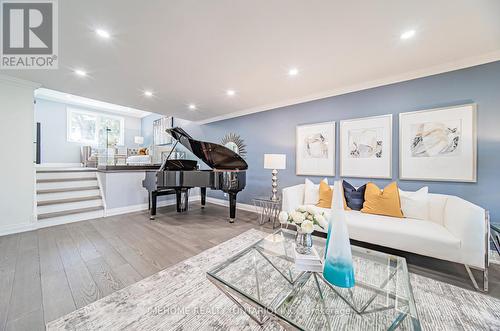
(438, 144)
(366, 147)
(315, 149)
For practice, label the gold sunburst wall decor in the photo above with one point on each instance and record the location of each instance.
(234, 142)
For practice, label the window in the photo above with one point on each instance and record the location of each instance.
(90, 128)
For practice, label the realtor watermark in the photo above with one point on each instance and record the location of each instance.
(29, 34)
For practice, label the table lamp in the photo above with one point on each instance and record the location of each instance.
(274, 162)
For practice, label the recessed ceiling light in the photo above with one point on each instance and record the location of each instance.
(293, 72)
(192, 106)
(80, 72)
(407, 34)
(148, 93)
(103, 33)
(230, 93)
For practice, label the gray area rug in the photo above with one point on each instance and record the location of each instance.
(181, 298)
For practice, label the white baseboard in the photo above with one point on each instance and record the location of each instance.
(11, 229)
(225, 203)
(143, 206)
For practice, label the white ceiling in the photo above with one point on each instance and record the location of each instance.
(75, 100)
(189, 51)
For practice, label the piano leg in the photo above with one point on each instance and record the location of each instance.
(153, 199)
(232, 207)
(203, 192)
(178, 200)
(186, 200)
(182, 199)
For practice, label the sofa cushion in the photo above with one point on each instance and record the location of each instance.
(410, 235)
(382, 202)
(415, 204)
(311, 192)
(354, 197)
(325, 195)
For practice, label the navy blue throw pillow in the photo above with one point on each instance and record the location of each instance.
(354, 198)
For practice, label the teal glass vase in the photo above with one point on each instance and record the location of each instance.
(338, 269)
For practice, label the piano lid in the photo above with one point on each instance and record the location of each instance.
(214, 155)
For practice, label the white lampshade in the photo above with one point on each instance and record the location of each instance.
(139, 140)
(274, 161)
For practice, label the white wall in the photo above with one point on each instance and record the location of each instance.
(16, 162)
(55, 147)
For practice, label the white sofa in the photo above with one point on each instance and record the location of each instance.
(456, 230)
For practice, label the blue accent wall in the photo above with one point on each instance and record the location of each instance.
(274, 131)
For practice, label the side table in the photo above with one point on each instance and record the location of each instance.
(495, 235)
(268, 210)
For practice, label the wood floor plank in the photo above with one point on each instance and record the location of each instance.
(9, 246)
(6, 284)
(138, 262)
(26, 292)
(56, 293)
(127, 274)
(85, 247)
(50, 261)
(32, 321)
(105, 249)
(28, 241)
(82, 285)
(103, 276)
(68, 250)
(83, 288)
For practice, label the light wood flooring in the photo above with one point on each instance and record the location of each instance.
(50, 272)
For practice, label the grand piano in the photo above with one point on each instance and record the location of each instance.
(177, 176)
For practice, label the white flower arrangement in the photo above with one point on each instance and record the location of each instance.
(304, 218)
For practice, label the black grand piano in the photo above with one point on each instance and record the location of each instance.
(177, 176)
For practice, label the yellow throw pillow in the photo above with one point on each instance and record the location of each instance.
(326, 196)
(384, 202)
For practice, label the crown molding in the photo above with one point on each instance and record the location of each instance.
(430, 71)
(19, 82)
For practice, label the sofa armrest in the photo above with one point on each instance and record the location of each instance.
(293, 197)
(470, 224)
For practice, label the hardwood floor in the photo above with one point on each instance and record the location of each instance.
(50, 272)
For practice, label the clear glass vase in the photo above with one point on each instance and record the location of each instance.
(303, 242)
(338, 268)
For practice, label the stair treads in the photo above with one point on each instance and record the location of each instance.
(53, 171)
(68, 200)
(57, 180)
(67, 189)
(69, 212)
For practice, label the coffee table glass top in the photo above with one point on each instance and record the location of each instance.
(263, 281)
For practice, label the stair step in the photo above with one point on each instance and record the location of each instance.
(66, 184)
(52, 170)
(69, 212)
(68, 174)
(69, 200)
(67, 189)
(67, 195)
(59, 180)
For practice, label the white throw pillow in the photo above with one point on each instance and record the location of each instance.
(311, 192)
(415, 204)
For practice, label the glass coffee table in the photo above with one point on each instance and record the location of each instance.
(262, 281)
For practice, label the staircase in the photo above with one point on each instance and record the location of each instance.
(68, 195)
